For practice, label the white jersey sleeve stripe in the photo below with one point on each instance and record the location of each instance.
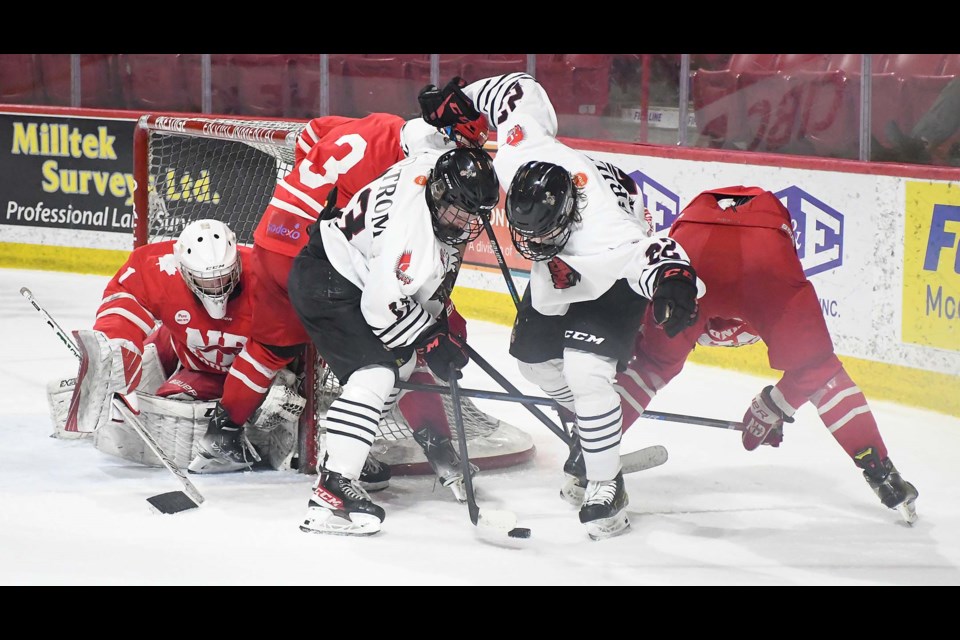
(132, 317)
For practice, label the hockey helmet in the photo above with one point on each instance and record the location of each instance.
(461, 186)
(540, 209)
(207, 258)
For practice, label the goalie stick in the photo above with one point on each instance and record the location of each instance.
(170, 502)
(499, 520)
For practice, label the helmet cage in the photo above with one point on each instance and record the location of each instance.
(543, 245)
(452, 223)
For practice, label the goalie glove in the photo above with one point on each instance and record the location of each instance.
(107, 366)
(675, 298)
(447, 107)
(282, 404)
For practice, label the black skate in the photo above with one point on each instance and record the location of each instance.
(894, 492)
(603, 509)
(340, 506)
(223, 448)
(375, 475)
(444, 460)
(576, 474)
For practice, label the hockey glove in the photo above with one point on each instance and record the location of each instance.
(724, 332)
(330, 210)
(675, 298)
(443, 348)
(763, 421)
(108, 366)
(448, 106)
(456, 323)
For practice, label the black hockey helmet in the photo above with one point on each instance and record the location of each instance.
(541, 203)
(461, 186)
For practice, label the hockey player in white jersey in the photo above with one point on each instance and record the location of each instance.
(595, 267)
(370, 288)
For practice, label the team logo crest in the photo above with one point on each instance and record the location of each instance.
(563, 275)
(515, 136)
(403, 263)
(182, 317)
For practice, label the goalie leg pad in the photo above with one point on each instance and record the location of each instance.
(176, 425)
(59, 393)
(106, 367)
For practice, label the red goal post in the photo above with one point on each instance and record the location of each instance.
(188, 168)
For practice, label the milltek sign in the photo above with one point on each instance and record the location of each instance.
(73, 173)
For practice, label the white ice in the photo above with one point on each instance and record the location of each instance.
(714, 514)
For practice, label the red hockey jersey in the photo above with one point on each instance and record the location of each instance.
(346, 152)
(148, 290)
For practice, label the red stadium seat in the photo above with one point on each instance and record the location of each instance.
(20, 79)
(718, 106)
(380, 84)
(577, 84)
(479, 67)
(418, 71)
(263, 84)
(156, 82)
(223, 94)
(99, 81)
(911, 64)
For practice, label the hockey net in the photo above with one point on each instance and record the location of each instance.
(227, 169)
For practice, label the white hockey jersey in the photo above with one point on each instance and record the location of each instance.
(612, 240)
(384, 243)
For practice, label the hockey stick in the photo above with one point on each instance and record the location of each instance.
(501, 261)
(505, 521)
(26, 293)
(171, 502)
(524, 399)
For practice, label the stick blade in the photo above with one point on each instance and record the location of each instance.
(497, 519)
(172, 502)
(646, 458)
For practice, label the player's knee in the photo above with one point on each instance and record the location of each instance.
(546, 375)
(589, 374)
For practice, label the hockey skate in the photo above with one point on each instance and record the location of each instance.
(445, 461)
(375, 475)
(340, 506)
(223, 448)
(894, 492)
(576, 474)
(604, 508)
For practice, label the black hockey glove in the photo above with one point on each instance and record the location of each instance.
(448, 106)
(330, 210)
(441, 349)
(675, 298)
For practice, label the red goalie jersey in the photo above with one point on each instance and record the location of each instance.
(148, 290)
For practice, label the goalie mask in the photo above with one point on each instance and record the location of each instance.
(541, 205)
(206, 254)
(461, 187)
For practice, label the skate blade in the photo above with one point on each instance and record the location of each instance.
(608, 527)
(571, 492)
(371, 487)
(908, 511)
(319, 520)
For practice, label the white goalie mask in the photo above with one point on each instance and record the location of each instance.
(206, 254)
